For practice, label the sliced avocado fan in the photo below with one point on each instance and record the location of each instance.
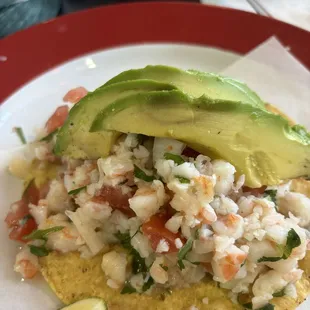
(194, 83)
(74, 139)
(261, 145)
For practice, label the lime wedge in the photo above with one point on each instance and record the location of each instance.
(87, 304)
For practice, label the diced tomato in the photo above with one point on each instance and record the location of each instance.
(155, 230)
(115, 198)
(57, 119)
(18, 210)
(254, 191)
(19, 218)
(31, 193)
(19, 231)
(75, 95)
(44, 190)
(189, 152)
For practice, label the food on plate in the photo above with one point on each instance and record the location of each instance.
(152, 192)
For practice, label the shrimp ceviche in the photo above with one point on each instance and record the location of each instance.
(181, 205)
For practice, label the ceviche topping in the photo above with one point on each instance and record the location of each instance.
(164, 220)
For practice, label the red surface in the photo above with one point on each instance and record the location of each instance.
(42, 47)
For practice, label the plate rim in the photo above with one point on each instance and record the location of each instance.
(31, 52)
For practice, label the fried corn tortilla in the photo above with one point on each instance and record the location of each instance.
(73, 278)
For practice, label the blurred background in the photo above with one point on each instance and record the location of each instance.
(20, 14)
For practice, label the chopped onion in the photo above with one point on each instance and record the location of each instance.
(86, 230)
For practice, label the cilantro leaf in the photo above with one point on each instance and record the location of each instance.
(292, 241)
(183, 180)
(138, 262)
(279, 293)
(20, 134)
(42, 234)
(164, 267)
(77, 190)
(147, 284)
(273, 194)
(39, 251)
(128, 288)
(269, 259)
(183, 252)
(140, 174)
(176, 158)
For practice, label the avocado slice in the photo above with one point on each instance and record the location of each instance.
(194, 83)
(74, 139)
(261, 145)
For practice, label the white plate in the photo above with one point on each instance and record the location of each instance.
(30, 107)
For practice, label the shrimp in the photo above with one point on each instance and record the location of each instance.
(147, 200)
(226, 268)
(64, 240)
(40, 211)
(297, 204)
(266, 285)
(283, 265)
(224, 172)
(229, 225)
(97, 211)
(205, 188)
(224, 205)
(26, 263)
(114, 266)
(207, 214)
(262, 248)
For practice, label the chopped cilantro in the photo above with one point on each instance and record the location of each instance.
(183, 180)
(279, 293)
(147, 284)
(183, 252)
(20, 134)
(292, 241)
(128, 288)
(176, 158)
(77, 190)
(140, 174)
(41, 234)
(138, 262)
(39, 251)
(272, 193)
(164, 267)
